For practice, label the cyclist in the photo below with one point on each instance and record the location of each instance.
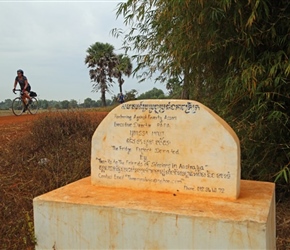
(121, 98)
(25, 88)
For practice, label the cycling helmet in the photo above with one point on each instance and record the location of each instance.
(21, 71)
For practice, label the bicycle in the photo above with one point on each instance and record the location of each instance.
(19, 107)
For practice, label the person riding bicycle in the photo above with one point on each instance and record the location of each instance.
(121, 98)
(25, 87)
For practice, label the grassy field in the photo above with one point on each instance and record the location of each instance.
(5, 112)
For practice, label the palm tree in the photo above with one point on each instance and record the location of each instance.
(105, 65)
(124, 67)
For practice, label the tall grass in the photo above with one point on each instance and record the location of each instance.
(53, 152)
(5, 112)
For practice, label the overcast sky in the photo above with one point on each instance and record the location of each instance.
(48, 40)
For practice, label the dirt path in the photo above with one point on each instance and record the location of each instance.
(12, 126)
(12, 119)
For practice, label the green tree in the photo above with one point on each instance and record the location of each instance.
(2, 105)
(124, 67)
(53, 104)
(88, 103)
(6, 104)
(57, 105)
(131, 95)
(231, 55)
(99, 103)
(109, 102)
(104, 66)
(64, 104)
(162, 34)
(44, 104)
(73, 104)
(174, 85)
(153, 94)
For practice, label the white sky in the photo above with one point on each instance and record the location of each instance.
(48, 39)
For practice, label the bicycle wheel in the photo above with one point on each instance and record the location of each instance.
(17, 106)
(33, 107)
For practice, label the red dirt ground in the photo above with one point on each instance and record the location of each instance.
(10, 126)
(12, 119)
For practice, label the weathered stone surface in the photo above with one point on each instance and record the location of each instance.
(166, 145)
(84, 216)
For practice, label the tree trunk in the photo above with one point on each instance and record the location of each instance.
(103, 90)
(197, 87)
(120, 87)
(120, 81)
(104, 99)
(186, 85)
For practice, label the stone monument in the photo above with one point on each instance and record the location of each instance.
(165, 174)
(167, 146)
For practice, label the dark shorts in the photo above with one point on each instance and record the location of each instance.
(28, 88)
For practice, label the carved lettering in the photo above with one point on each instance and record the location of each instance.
(159, 145)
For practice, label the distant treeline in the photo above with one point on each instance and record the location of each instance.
(90, 103)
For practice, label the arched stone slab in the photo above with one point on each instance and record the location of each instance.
(167, 146)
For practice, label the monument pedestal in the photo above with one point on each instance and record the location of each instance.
(165, 174)
(83, 216)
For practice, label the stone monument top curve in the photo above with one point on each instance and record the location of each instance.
(168, 146)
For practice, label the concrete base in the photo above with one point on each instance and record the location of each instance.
(83, 216)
